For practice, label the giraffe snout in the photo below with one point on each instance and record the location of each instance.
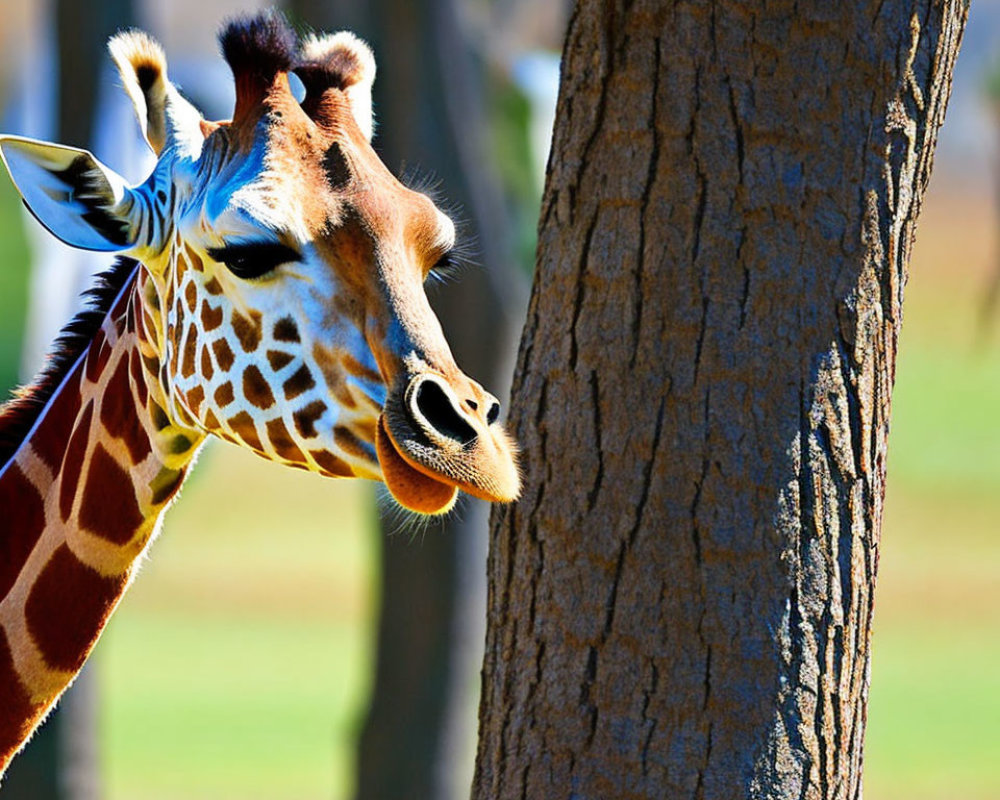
(438, 435)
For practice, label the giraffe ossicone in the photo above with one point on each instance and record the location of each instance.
(270, 293)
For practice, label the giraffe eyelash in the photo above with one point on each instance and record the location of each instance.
(453, 264)
(254, 259)
(449, 266)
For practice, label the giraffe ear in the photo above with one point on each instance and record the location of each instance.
(76, 197)
(165, 117)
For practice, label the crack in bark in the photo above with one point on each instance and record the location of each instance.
(745, 293)
(590, 675)
(595, 396)
(702, 332)
(738, 131)
(647, 696)
(647, 474)
(651, 172)
(574, 348)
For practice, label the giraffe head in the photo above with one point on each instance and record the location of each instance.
(282, 290)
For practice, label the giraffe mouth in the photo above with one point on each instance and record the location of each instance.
(413, 485)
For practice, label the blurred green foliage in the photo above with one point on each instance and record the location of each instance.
(510, 147)
(239, 664)
(13, 283)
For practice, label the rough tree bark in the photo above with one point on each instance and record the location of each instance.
(680, 604)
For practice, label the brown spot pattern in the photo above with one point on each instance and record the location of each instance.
(223, 354)
(49, 441)
(109, 507)
(359, 370)
(207, 368)
(173, 334)
(213, 287)
(247, 330)
(24, 520)
(195, 261)
(277, 359)
(255, 388)
(67, 608)
(305, 418)
(211, 421)
(333, 373)
(118, 414)
(338, 172)
(75, 452)
(244, 426)
(211, 318)
(224, 394)
(195, 397)
(152, 366)
(17, 712)
(282, 441)
(190, 353)
(348, 441)
(301, 381)
(97, 356)
(191, 296)
(285, 330)
(331, 464)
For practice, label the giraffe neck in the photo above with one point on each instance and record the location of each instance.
(80, 500)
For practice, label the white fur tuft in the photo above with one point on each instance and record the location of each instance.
(353, 61)
(164, 116)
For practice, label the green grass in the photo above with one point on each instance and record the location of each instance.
(935, 684)
(933, 711)
(238, 664)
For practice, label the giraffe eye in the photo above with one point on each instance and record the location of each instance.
(254, 259)
(446, 267)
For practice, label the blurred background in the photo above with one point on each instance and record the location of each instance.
(243, 663)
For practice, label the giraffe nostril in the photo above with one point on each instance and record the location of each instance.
(493, 414)
(436, 408)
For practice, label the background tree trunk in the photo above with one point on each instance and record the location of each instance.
(680, 604)
(416, 736)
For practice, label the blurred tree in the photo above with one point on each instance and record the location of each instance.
(991, 86)
(61, 761)
(680, 604)
(429, 112)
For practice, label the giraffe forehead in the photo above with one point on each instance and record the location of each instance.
(291, 177)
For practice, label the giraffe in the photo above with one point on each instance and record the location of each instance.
(268, 290)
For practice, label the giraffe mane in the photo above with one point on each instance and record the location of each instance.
(258, 46)
(19, 415)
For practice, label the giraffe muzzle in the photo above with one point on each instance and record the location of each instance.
(430, 443)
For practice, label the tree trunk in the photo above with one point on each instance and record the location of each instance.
(680, 604)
